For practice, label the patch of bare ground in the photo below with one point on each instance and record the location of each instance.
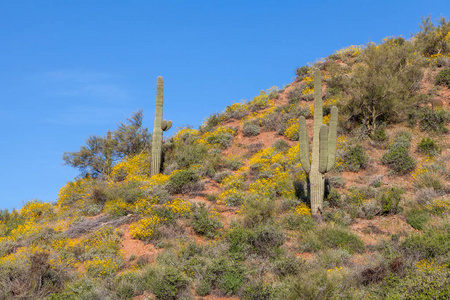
(134, 247)
(380, 228)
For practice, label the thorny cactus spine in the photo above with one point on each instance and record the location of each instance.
(323, 147)
(159, 126)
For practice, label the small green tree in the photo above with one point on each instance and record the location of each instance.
(384, 84)
(432, 39)
(100, 153)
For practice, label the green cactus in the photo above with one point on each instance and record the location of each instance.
(323, 147)
(160, 125)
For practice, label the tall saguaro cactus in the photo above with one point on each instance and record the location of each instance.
(323, 147)
(159, 126)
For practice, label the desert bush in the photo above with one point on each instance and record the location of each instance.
(270, 122)
(184, 181)
(257, 210)
(205, 221)
(259, 102)
(434, 121)
(302, 72)
(233, 162)
(379, 134)
(250, 128)
(424, 196)
(295, 221)
(432, 39)
(236, 111)
(432, 243)
(355, 158)
(257, 291)
(443, 77)
(295, 94)
(390, 200)
(167, 282)
(428, 147)
(330, 237)
(417, 218)
(398, 159)
(266, 240)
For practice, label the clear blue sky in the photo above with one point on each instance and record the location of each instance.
(70, 69)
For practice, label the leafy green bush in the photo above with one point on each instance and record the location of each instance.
(443, 77)
(302, 71)
(184, 181)
(167, 282)
(417, 218)
(266, 240)
(432, 243)
(398, 159)
(434, 121)
(428, 147)
(204, 221)
(257, 210)
(257, 291)
(355, 158)
(330, 237)
(390, 201)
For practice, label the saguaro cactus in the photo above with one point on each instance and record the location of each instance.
(323, 147)
(159, 126)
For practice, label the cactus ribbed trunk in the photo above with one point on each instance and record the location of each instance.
(323, 148)
(157, 131)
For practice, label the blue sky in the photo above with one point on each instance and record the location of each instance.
(70, 69)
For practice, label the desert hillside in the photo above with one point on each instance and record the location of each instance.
(229, 215)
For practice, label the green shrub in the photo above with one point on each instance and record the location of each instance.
(237, 238)
(233, 162)
(443, 77)
(302, 72)
(184, 181)
(257, 210)
(398, 159)
(355, 158)
(167, 282)
(205, 222)
(224, 274)
(295, 221)
(257, 291)
(428, 147)
(379, 134)
(267, 240)
(434, 121)
(250, 129)
(432, 243)
(417, 218)
(390, 201)
(330, 237)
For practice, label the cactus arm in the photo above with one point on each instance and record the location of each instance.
(168, 125)
(304, 145)
(323, 150)
(332, 138)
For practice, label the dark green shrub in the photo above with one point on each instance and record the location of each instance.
(257, 291)
(302, 72)
(428, 147)
(205, 222)
(443, 77)
(434, 121)
(432, 243)
(331, 237)
(397, 158)
(184, 181)
(390, 201)
(355, 158)
(225, 274)
(237, 238)
(250, 129)
(295, 221)
(379, 134)
(257, 210)
(417, 218)
(167, 282)
(267, 240)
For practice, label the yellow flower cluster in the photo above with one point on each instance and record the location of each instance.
(74, 191)
(263, 187)
(422, 168)
(292, 131)
(234, 190)
(144, 228)
(283, 183)
(259, 101)
(179, 206)
(260, 115)
(351, 51)
(33, 210)
(101, 267)
(237, 107)
(303, 210)
(106, 239)
(213, 138)
(429, 266)
(134, 168)
(439, 206)
(181, 133)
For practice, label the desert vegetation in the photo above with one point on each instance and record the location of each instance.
(225, 210)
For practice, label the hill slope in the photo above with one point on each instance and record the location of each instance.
(229, 216)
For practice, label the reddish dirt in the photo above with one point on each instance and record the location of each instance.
(134, 247)
(380, 228)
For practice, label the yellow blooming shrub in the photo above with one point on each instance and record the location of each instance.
(101, 267)
(144, 228)
(233, 193)
(263, 187)
(292, 131)
(33, 210)
(222, 137)
(350, 51)
(178, 206)
(303, 210)
(75, 191)
(117, 208)
(136, 168)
